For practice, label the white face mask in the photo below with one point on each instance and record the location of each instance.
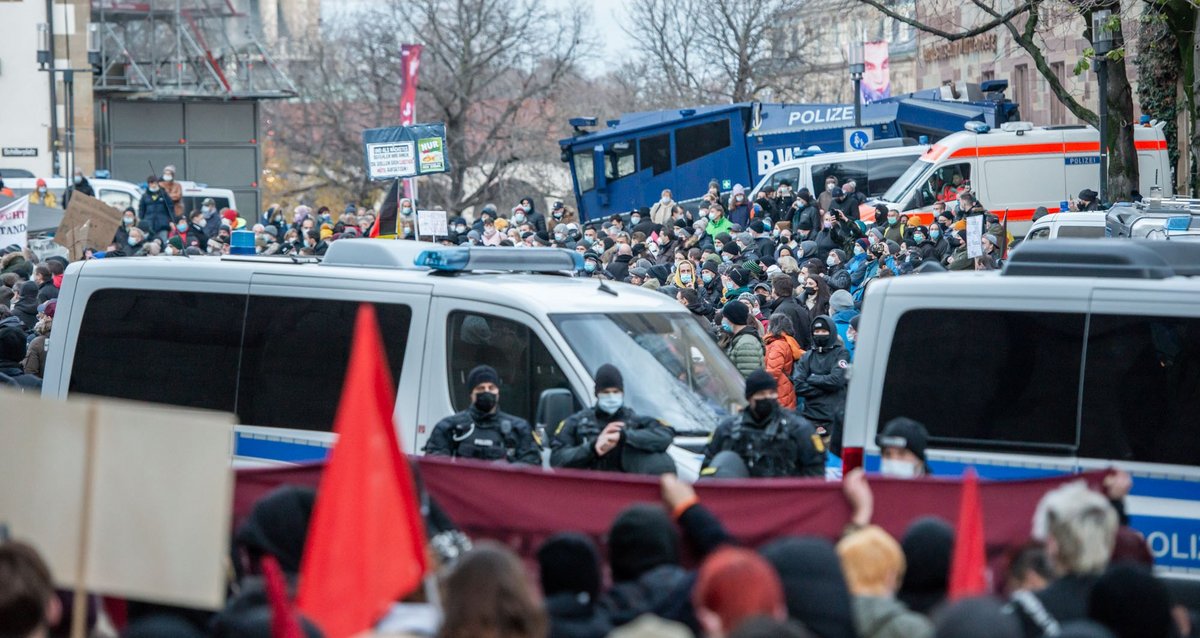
(168, 177)
(610, 402)
(896, 468)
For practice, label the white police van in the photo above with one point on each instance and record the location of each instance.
(268, 339)
(1083, 354)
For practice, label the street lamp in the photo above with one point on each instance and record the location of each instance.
(857, 67)
(43, 50)
(1102, 44)
(93, 44)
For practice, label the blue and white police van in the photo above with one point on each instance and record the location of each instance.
(1083, 354)
(268, 339)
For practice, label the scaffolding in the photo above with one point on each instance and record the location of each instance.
(182, 49)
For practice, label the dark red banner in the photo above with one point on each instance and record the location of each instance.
(410, 65)
(523, 506)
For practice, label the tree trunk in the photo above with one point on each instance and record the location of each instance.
(1122, 156)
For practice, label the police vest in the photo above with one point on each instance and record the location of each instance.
(768, 452)
(472, 441)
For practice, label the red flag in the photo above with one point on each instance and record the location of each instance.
(283, 619)
(366, 542)
(968, 569)
(410, 64)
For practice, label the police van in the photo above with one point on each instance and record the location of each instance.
(873, 170)
(1068, 225)
(114, 192)
(1081, 355)
(268, 339)
(1019, 168)
(1155, 218)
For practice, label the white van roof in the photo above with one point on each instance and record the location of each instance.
(1075, 139)
(849, 156)
(535, 293)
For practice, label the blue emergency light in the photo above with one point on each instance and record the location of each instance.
(1183, 222)
(463, 259)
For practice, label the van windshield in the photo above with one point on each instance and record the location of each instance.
(673, 369)
(914, 176)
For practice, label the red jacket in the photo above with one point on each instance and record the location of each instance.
(781, 357)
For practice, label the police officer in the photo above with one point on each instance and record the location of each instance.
(820, 377)
(611, 437)
(482, 431)
(768, 440)
(902, 446)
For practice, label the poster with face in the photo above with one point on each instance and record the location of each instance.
(876, 84)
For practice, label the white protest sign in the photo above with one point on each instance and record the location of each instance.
(14, 223)
(120, 498)
(392, 159)
(975, 236)
(432, 223)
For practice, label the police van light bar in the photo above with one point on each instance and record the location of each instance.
(1175, 224)
(977, 127)
(464, 259)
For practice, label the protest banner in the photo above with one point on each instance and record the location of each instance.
(14, 223)
(432, 223)
(523, 506)
(405, 151)
(122, 499)
(88, 223)
(975, 236)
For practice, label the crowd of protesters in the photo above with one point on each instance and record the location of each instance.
(1084, 574)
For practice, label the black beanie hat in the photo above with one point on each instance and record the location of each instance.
(758, 381)
(905, 433)
(757, 226)
(608, 376)
(739, 276)
(641, 538)
(1131, 602)
(710, 266)
(482, 374)
(736, 312)
(278, 526)
(813, 585)
(927, 546)
(732, 249)
(569, 563)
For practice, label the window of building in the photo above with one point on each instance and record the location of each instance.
(987, 380)
(1058, 111)
(161, 346)
(987, 75)
(1139, 391)
(1021, 87)
(620, 161)
(585, 171)
(654, 152)
(294, 357)
(694, 142)
(523, 362)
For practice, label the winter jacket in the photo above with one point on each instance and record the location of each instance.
(792, 307)
(175, 192)
(842, 319)
(84, 187)
(157, 211)
(806, 222)
(782, 354)
(660, 212)
(888, 618)
(572, 618)
(489, 437)
(746, 351)
(26, 311)
(838, 278)
(894, 232)
(641, 450)
(619, 267)
(1065, 600)
(740, 215)
(820, 378)
(48, 200)
(717, 226)
(35, 357)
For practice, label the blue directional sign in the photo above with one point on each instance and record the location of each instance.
(856, 139)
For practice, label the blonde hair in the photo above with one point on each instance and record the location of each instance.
(1083, 525)
(871, 560)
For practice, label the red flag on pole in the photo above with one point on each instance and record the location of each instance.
(410, 64)
(366, 542)
(283, 619)
(968, 569)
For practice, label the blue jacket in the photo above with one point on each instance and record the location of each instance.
(841, 319)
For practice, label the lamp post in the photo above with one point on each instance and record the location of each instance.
(45, 61)
(1102, 44)
(857, 67)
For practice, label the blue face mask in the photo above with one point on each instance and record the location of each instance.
(935, 233)
(707, 277)
(685, 277)
(132, 241)
(589, 266)
(182, 226)
(726, 327)
(918, 238)
(610, 402)
(726, 257)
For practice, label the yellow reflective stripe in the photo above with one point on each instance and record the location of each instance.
(818, 443)
(560, 427)
(708, 471)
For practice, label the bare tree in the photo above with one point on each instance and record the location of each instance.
(1022, 21)
(734, 50)
(490, 71)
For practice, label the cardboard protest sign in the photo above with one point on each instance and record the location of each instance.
(123, 499)
(14, 223)
(432, 223)
(405, 151)
(89, 223)
(975, 236)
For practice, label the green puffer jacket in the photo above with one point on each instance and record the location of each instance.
(746, 351)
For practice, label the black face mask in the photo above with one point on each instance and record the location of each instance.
(762, 301)
(485, 401)
(823, 341)
(762, 408)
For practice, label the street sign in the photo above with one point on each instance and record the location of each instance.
(19, 151)
(856, 139)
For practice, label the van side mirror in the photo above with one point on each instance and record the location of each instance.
(554, 405)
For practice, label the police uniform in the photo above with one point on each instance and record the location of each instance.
(498, 436)
(642, 448)
(785, 445)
